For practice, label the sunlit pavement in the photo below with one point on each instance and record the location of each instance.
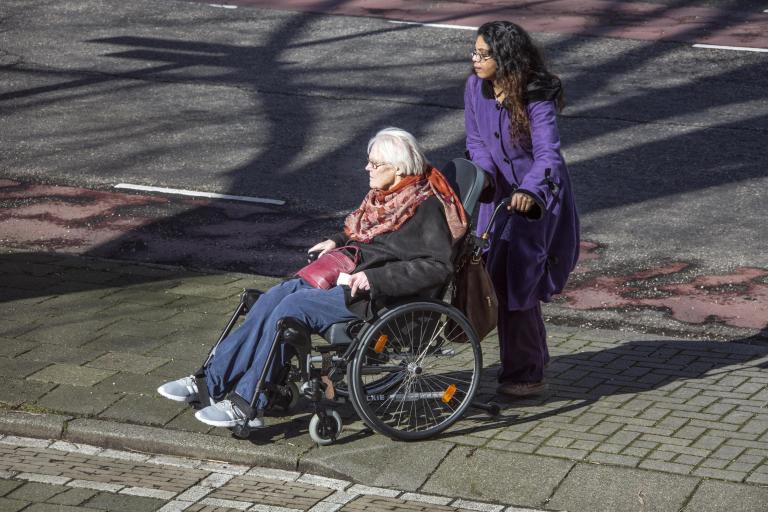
(673, 422)
(657, 387)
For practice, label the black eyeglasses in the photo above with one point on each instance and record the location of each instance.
(476, 55)
(376, 165)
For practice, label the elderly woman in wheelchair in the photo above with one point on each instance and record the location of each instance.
(405, 366)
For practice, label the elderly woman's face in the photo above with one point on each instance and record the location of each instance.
(381, 175)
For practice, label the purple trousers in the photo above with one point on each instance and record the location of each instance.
(523, 345)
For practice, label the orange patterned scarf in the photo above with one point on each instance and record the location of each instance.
(383, 211)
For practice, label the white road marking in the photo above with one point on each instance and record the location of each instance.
(737, 48)
(467, 27)
(194, 193)
(434, 25)
(224, 6)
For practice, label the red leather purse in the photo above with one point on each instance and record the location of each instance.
(325, 270)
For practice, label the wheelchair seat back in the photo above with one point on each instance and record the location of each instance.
(467, 180)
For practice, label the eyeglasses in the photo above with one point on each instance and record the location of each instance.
(376, 165)
(476, 55)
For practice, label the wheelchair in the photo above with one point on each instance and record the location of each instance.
(410, 373)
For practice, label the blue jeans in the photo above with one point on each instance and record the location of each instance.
(240, 358)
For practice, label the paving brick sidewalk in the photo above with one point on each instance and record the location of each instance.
(67, 477)
(631, 418)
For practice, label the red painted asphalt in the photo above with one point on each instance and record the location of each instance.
(220, 234)
(604, 18)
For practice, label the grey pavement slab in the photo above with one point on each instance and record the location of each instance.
(35, 492)
(10, 347)
(47, 353)
(14, 392)
(71, 374)
(608, 488)
(510, 478)
(126, 362)
(20, 367)
(113, 340)
(74, 332)
(145, 409)
(77, 400)
(378, 461)
(123, 503)
(130, 383)
(11, 505)
(714, 496)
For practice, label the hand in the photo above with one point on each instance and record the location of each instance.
(359, 281)
(521, 202)
(323, 247)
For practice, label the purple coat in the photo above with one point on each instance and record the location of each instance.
(529, 259)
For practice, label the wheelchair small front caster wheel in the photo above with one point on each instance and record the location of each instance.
(289, 397)
(242, 431)
(493, 409)
(326, 428)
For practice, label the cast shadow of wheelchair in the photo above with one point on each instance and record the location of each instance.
(576, 381)
(579, 380)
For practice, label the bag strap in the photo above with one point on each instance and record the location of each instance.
(350, 248)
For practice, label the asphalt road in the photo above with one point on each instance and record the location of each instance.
(665, 142)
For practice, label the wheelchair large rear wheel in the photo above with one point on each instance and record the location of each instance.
(431, 356)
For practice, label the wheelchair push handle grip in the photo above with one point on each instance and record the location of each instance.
(312, 256)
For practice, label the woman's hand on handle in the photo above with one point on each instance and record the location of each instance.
(323, 247)
(359, 281)
(521, 202)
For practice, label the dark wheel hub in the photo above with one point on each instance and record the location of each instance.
(327, 427)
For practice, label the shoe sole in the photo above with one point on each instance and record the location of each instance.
(532, 392)
(216, 423)
(177, 398)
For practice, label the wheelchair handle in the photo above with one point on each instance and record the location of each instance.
(312, 256)
(481, 242)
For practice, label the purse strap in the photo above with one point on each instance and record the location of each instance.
(350, 248)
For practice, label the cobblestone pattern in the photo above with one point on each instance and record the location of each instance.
(56, 475)
(687, 407)
(301, 496)
(75, 466)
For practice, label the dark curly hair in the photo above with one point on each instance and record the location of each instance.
(519, 63)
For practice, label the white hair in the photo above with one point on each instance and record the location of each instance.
(399, 148)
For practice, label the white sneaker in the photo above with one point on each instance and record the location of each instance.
(227, 414)
(182, 390)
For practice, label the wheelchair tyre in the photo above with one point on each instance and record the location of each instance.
(437, 374)
(325, 429)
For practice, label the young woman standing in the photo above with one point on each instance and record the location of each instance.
(510, 107)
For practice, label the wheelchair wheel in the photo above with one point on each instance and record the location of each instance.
(430, 356)
(325, 428)
(376, 383)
